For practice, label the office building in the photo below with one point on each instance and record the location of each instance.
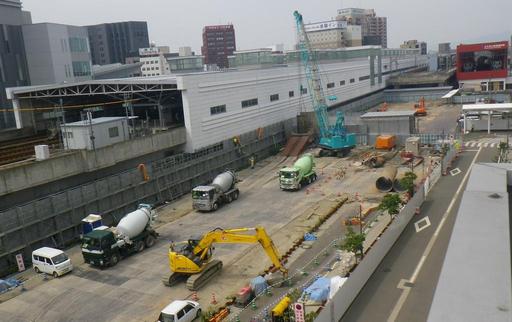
(57, 53)
(114, 42)
(154, 62)
(13, 66)
(414, 44)
(446, 57)
(371, 24)
(218, 43)
(333, 34)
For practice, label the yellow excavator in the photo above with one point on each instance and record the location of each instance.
(192, 259)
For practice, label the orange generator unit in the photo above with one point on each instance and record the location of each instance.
(385, 142)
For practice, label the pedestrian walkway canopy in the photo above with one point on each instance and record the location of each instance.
(485, 109)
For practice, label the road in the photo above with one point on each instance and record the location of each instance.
(403, 285)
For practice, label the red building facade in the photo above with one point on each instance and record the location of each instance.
(218, 43)
(485, 61)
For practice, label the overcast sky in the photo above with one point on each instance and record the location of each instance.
(260, 23)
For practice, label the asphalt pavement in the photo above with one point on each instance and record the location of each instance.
(403, 285)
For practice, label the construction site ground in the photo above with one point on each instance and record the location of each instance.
(440, 117)
(133, 291)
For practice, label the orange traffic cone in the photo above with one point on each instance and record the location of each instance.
(195, 297)
(214, 301)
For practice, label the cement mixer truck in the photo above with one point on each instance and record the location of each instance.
(106, 246)
(222, 190)
(301, 173)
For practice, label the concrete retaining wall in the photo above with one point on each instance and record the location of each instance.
(410, 95)
(25, 175)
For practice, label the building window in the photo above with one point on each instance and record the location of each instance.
(249, 103)
(274, 97)
(330, 85)
(352, 80)
(81, 68)
(342, 83)
(113, 132)
(364, 78)
(291, 94)
(217, 109)
(303, 91)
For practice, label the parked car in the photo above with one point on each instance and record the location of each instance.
(180, 311)
(51, 261)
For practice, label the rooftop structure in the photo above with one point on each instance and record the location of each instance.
(475, 281)
(117, 70)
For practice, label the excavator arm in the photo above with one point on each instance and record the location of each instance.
(239, 236)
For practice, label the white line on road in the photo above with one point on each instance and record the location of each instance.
(405, 289)
(422, 224)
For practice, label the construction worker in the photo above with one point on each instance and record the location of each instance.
(252, 160)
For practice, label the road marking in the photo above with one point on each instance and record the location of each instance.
(455, 172)
(406, 289)
(486, 144)
(422, 224)
(479, 144)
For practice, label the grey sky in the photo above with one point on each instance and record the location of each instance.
(263, 22)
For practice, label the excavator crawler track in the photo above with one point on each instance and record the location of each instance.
(196, 281)
(173, 279)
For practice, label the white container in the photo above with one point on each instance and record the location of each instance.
(42, 152)
(134, 223)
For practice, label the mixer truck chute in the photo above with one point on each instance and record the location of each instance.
(222, 190)
(301, 173)
(105, 246)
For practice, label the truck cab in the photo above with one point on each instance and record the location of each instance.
(204, 198)
(97, 248)
(290, 179)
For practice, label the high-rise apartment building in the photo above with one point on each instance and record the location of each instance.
(371, 24)
(114, 42)
(218, 43)
(13, 65)
(57, 53)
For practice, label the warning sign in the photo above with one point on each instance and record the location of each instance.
(299, 312)
(19, 261)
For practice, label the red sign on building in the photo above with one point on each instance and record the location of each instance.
(482, 61)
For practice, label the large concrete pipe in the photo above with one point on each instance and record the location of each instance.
(396, 183)
(385, 182)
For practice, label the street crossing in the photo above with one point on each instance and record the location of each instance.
(486, 143)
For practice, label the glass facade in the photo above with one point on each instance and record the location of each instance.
(78, 45)
(81, 68)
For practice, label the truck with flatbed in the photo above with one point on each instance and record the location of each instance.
(106, 246)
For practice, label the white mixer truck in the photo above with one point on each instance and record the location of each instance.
(106, 246)
(222, 190)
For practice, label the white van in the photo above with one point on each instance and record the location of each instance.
(180, 311)
(51, 261)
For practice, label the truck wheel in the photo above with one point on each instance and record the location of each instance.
(150, 241)
(314, 177)
(215, 206)
(55, 274)
(229, 199)
(37, 270)
(299, 186)
(235, 195)
(198, 314)
(114, 259)
(139, 246)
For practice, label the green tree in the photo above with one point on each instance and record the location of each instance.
(353, 241)
(408, 182)
(391, 203)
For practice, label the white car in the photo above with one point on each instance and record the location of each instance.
(51, 261)
(180, 311)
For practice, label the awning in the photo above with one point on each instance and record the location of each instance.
(451, 93)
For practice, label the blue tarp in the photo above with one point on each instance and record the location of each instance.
(7, 284)
(319, 290)
(258, 285)
(309, 237)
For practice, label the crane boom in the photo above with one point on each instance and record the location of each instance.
(333, 138)
(312, 76)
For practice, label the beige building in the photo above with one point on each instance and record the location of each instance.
(333, 34)
(371, 25)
